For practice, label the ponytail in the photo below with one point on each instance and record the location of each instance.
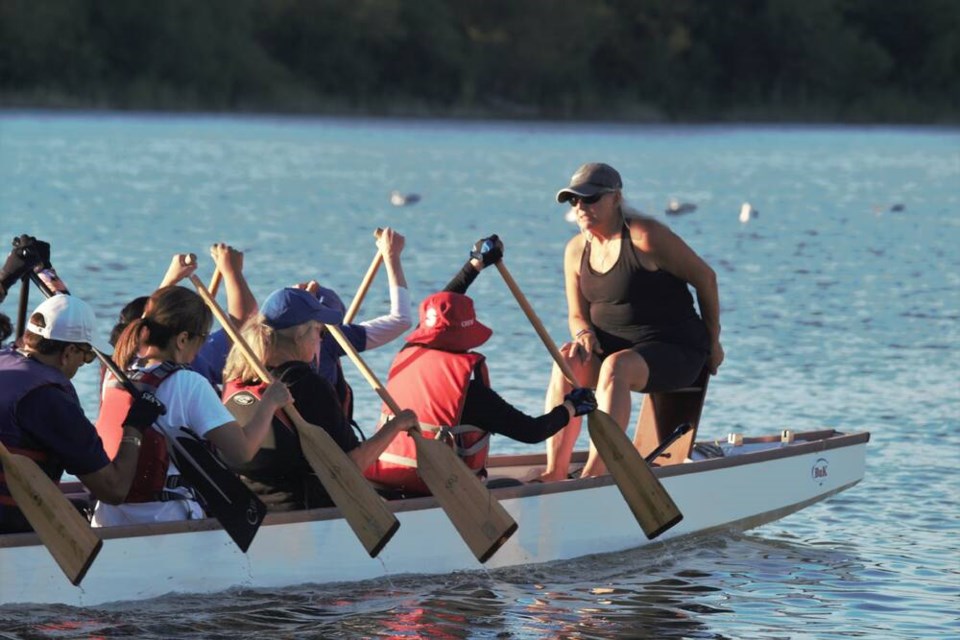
(168, 312)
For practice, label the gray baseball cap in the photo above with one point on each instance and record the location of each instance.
(590, 179)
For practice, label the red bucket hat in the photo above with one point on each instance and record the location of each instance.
(448, 322)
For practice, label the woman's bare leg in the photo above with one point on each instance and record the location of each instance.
(560, 445)
(621, 372)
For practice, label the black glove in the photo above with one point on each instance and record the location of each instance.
(582, 399)
(488, 250)
(27, 253)
(144, 412)
(36, 248)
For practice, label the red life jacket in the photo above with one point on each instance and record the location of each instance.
(434, 384)
(241, 395)
(241, 398)
(154, 460)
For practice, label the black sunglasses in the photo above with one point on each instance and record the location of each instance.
(88, 354)
(595, 198)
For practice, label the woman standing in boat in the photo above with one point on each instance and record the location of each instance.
(155, 351)
(630, 313)
(286, 337)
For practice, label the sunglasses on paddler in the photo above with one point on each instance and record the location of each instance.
(595, 198)
(88, 354)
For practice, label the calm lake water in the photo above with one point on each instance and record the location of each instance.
(841, 308)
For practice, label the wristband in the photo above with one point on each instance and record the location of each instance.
(134, 440)
(581, 332)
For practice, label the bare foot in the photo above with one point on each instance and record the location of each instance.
(552, 477)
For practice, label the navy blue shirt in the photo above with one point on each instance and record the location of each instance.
(330, 351)
(212, 357)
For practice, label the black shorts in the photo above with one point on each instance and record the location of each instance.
(672, 366)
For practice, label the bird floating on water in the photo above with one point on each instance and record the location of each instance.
(398, 199)
(747, 212)
(675, 207)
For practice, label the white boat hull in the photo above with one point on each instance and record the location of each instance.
(557, 521)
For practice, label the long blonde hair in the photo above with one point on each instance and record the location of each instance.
(263, 340)
(627, 213)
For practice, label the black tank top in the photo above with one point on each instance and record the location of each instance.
(630, 305)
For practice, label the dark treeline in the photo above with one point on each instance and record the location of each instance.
(652, 60)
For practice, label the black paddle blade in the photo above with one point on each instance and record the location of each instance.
(221, 493)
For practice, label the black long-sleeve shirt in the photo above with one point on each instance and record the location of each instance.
(464, 278)
(486, 409)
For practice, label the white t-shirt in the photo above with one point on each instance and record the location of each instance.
(191, 402)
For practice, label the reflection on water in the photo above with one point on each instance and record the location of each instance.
(720, 586)
(674, 592)
(840, 310)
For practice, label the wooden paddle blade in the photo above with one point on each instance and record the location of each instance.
(480, 519)
(368, 515)
(650, 503)
(61, 528)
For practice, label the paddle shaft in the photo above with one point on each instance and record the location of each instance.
(650, 503)
(477, 516)
(669, 440)
(365, 370)
(22, 308)
(365, 284)
(241, 530)
(368, 516)
(215, 282)
(537, 325)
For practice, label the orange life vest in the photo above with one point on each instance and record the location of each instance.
(152, 465)
(433, 383)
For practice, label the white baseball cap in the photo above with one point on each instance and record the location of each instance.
(66, 318)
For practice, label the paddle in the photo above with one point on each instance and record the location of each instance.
(61, 528)
(365, 511)
(648, 500)
(681, 430)
(223, 494)
(215, 279)
(480, 519)
(215, 282)
(365, 284)
(22, 308)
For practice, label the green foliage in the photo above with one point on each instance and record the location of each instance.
(836, 60)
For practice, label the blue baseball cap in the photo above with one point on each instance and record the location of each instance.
(329, 298)
(288, 307)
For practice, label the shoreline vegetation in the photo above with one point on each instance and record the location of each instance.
(638, 61)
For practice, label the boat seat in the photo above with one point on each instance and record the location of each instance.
(662, 411)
